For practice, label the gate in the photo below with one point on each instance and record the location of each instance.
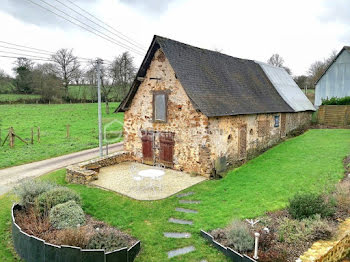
(166, 150)
(147, 146)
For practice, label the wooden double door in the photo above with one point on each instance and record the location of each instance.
(158, 147)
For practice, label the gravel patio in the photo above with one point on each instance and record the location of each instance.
(119, 178)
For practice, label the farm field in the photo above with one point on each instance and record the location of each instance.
(11, 98)
(311, 162)
(52, 120)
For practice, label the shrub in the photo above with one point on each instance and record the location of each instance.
(77, 237)
(307, 205)
(273, 256)
(29, 190)
(239, 236)
(56, 196)
(294, 231)
(32, 223)
(108, 240)
(67, 215)
(342, 197)
(336, 101)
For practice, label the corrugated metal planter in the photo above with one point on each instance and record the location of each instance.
(228, 252)
(33, 249)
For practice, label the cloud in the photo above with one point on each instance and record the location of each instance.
(152, 6)
(31, 13)
(336, 11)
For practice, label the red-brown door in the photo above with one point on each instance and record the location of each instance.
(147, 146)
(166, 150)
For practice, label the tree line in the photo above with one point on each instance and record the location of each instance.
(315, 71)
(51, 80)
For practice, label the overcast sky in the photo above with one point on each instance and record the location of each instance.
(300, 31)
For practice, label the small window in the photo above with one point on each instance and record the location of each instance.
(277, 121)
(160, 107)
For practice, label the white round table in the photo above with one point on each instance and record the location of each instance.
(151, 173)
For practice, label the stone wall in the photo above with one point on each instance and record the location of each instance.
(85, 172)
(189, 126)
(260, 133)
(330, 251)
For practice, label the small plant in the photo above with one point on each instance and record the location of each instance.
(29, 190)
(273, 256)
(67, 215)
(336, 101)
(107, 240)
(307, 205)
(342, 197)
(294, 231)
(56, 196)
(77, 237)
(239, 236)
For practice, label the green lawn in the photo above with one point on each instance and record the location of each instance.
(17, 97)
(310, 162)
(52, 120)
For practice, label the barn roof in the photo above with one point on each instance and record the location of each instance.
(287, 88)
(345, 48)
(217, 84)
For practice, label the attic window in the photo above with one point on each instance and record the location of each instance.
(160, 106)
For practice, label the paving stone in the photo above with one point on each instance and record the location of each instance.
(185, 194)
(180, 221)
(177, 235)
(185, 210)
(181, 251)
(181, 201)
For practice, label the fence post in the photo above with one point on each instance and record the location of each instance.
(12, 137)
(107, 148)
(38, 133)
(32, 136)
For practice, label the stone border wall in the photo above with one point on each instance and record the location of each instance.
(33, 249)
(85, 172)
(228, 252)
(332, 250)
(334, 115)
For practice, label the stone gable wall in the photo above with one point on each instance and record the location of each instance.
(189, 126)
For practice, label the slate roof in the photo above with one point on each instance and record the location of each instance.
(217, 84)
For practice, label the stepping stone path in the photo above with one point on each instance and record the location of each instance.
(185, 210)
(188, 249)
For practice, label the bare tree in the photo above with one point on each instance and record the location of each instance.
(66, 66)
(277, 60)
(122, 72)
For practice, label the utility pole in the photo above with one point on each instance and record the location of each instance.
(99, 62)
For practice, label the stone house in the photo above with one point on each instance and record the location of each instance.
(197, 110)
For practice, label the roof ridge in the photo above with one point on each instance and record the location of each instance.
(200, 48)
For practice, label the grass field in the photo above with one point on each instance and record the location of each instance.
(11, 98)
(52, 120)
(310, 162)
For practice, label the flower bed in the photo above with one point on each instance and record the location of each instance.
(50, 225)
(287, 234)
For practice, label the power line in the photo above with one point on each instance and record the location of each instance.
(25, 47)
(16, 57)
(104, 23)
(24, 55)
(114, 42)
(19, 49)
(123, 38)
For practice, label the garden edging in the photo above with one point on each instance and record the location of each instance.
(228, 252)
(33, 249)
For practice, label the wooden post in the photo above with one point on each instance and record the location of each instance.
(38, 133)
(0, 135)
(32, 136)
(67, 135)
(12, 137)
